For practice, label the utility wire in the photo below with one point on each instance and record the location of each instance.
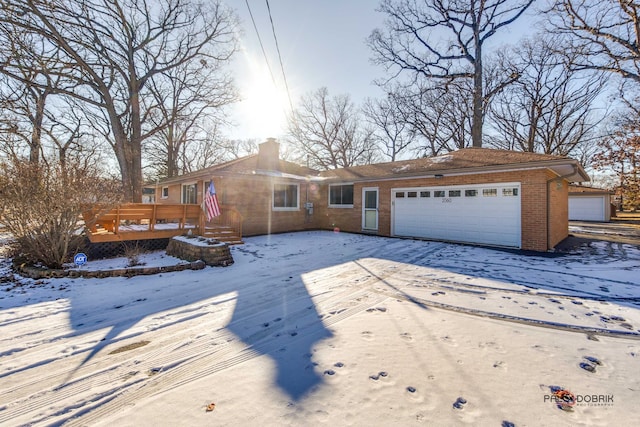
(264, 53)
(284, 76)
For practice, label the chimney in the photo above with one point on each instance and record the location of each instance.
(268, 154)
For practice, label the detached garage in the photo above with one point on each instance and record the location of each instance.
(589, 204)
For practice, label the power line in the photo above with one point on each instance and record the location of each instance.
(264, 53)
(284, 76)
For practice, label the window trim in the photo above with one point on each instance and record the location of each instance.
(285, 209)
(184, 184)
(339, 206)
(162, 196)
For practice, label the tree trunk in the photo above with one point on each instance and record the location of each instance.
(478, 95)
(35, 144)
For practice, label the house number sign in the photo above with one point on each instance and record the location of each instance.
(446, 200)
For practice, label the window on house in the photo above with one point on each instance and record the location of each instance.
(341, 195)
(399, 194)
(439, 193)
(190, 193)
(455, 193)
(425, 194)
(489, 192)
(285, 196)
(412, 194)
(165, 192)
(509, 191)
(470, 193)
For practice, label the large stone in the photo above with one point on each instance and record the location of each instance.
(192, 248)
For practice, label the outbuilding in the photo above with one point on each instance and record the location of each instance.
(589, 204)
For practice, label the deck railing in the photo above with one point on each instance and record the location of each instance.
(147, 221)
(229, 217)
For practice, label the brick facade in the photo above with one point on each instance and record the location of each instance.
(247, 185)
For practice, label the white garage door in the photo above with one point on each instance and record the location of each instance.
(586, 208)
(485, 214)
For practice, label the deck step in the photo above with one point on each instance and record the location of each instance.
(224, 234)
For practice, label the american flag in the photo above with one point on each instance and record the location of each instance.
(211, 205)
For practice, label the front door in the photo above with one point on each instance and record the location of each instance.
(370, 208)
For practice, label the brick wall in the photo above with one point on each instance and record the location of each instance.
(252, 196)
(533, 210)
(558, 211)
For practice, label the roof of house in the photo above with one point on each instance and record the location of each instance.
(462, 161)
(583, 189)
(246, 166)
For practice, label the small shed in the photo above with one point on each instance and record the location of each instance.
(589, 204)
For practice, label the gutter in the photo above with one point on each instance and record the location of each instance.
(548, 164)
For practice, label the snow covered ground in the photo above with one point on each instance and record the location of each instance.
(322, 328)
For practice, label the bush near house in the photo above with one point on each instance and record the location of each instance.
(41, 204)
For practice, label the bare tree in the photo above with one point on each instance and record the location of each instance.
(112, 50)
(189, 99)
(550, 108)
(604, 35)
(392, 130)
(27, 86)
(438, 117)
(328, 131)
(620, 153)
(411, 43)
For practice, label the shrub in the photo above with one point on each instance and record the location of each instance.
(41, 205)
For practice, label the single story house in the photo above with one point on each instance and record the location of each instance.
(589, 204)
(473, 195)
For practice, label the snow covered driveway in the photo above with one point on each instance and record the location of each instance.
(320, 327)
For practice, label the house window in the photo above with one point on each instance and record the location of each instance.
(412, 194)
(509, 191)
(341, 195)
(165, 193)
(470, 193)
(438, 193)
(285, 197)
(190, 193)
(455, 193)
(425, 194)
(400, 194)
(489, 192)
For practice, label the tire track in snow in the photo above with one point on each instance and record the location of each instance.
(181, 359)
(206, 364)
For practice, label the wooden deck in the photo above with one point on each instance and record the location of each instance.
(144, 221)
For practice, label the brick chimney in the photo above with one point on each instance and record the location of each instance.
(268, 154)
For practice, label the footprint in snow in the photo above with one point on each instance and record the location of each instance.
(367, 335)
(588, 367)
(406, 336)
(459, 403)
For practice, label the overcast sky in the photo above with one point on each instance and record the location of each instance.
(322, 44)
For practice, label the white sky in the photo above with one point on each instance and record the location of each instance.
(322, 44)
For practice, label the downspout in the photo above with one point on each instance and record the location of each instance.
(549, 181)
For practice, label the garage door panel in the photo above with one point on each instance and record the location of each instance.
(479, 219)
(587, 208)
